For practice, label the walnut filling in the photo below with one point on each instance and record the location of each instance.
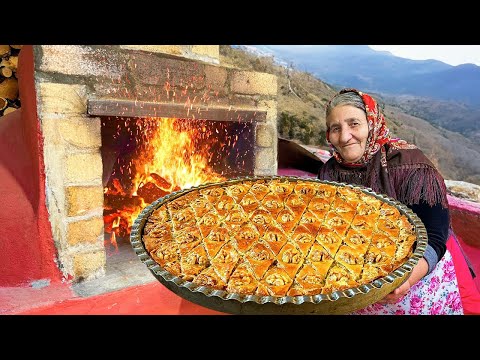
(365, 210)
(272, 204)
(226, 257)
(319, 255)
(337, 277)
(160, 230)
(358, 239)
(350, 258)
(361, 225)
(291, 256)
(187, 237)
(247, 235)
(260, 219)
(303, 238)
(373, 258)
(167, 253)
(295, 201)
(248, 201)
(208, 220)
(273, 236)
(276, 280)
(206, 280)
(324, 193)
(384, 212)
(215, 192)
(235, 217)
(286, 217)
(217, 235)
(313, 279)
(321, 206)
(184, 216)
(305, 190)
(280, 189)
(237, 190)
(241, 278)
(336, 221)
(382, 243)
(260, 255)
(225, 205)
(178, 204)
(329, 239)
(307, 219)
(196, 259)
(200, 203)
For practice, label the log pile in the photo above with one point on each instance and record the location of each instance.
(9, 96)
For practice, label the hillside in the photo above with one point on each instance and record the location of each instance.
(453, 116)
(301, 102)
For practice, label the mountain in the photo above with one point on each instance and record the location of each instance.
(380, 71)
(446, 95)
(301, 113)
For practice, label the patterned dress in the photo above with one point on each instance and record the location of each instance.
(435, 294)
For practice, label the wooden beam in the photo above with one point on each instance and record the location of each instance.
(142, 109)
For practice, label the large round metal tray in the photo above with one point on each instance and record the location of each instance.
(338, 302)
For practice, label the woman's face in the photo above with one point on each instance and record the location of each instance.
(348, 131)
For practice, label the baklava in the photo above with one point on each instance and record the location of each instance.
(278, 236)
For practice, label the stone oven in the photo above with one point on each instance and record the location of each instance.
(88, 97)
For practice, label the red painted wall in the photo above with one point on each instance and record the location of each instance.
(27, 251)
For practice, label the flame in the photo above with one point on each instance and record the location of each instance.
(167, 160)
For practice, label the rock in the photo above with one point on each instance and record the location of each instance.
(463, 190)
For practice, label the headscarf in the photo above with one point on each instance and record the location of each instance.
(378, 133)
(389, 165)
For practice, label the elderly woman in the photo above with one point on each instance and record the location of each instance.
(365, 154)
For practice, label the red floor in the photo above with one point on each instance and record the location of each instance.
(149, 299)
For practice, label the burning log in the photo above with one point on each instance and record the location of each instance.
(121, 202)
(116, 222)
(151, 192)
(160, 181)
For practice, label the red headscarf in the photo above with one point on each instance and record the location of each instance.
(378, 133)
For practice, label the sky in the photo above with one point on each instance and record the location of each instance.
(450, 54)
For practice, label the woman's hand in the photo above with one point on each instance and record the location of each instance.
(418, 272)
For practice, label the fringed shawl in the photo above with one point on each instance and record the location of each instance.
(406, 174)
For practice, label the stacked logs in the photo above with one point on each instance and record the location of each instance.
(9, 97)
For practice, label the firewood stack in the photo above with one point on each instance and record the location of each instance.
(9, 99)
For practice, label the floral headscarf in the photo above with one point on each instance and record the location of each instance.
(378, 133)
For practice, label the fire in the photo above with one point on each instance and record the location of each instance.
(166, 159)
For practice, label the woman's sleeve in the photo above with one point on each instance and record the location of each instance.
(436, 219)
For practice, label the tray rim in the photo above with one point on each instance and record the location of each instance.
(164, 275)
